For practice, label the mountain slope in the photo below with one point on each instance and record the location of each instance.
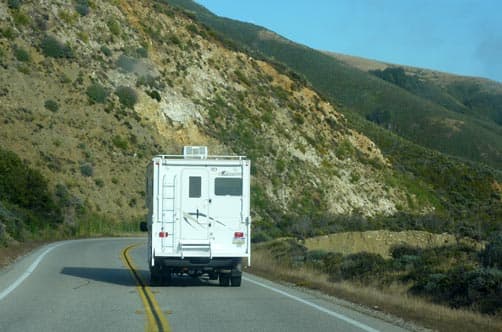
(468, 192)
(469, 135)
(91, 90)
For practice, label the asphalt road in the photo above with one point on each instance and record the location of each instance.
(88, 285)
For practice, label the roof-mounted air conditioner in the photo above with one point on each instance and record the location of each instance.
(195, 152)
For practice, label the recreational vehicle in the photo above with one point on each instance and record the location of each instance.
(198, 215)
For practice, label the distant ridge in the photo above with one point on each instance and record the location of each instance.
(422, 114)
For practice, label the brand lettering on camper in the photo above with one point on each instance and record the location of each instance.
(225, 173)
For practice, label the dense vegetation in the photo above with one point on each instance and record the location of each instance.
(31, 210)
(457, 275)
(466, 96)
(466, 190)
(26, 203)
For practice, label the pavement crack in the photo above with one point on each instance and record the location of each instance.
(81, 285)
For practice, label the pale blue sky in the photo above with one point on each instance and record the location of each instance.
(457, 36)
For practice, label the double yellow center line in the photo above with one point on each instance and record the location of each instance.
(156, 322)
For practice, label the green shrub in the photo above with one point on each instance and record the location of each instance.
(3, 235)
(114, 26)
(362, 265)
(403, 249)
(68, 16)
(100, 183)
(192, 28)
(86, 169)
(150, 81)
(407, 263)
(64, 79)
(287, 251)
(260, 235)
(332, 265)
(317, 255)
(24, 68)
(491, 256)
(120, 142)
(24, 186)
(354, 177)
(63, 195)
(154, 94)
(174, 39)
(127, 96)
(51, 105)
(8, 33)
(141, 52)
(267, 117)
(21, 54)
(14, 4)
(52, 47)
(280, 165)
(298, 117)
(97, 93)
(106, 51)
(464, 287)
(344, 149)
(82, 7)
(83, 36)
(12, 221)
(242, 77)
(21, 18)
(126, 63)
(86, 151)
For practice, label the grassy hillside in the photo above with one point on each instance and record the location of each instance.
(476, 97)
(408, 118)
(430, 122)
(116, 83)
(91, 90)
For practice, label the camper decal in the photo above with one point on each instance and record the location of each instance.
(189, 216)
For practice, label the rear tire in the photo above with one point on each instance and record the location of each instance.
(166, 277)
(236, 281)
(155, 278)
(224, 280)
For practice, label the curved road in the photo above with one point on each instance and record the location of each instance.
(88, 285)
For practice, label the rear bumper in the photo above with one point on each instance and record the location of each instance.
(199, 262)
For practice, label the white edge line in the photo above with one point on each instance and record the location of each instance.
(34, 265)
(28, 271)
(315, 306)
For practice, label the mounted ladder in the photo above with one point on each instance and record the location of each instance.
(168, 210)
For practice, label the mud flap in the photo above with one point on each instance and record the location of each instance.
(236, 271)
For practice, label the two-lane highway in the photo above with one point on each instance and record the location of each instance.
(100, 285)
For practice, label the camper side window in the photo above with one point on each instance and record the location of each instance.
(194, 186)
(228, 186)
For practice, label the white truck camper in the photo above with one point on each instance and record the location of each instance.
(198, 216)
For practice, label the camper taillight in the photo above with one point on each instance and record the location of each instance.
(238, 235)
(163, 234)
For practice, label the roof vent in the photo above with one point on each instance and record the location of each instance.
(195, 152)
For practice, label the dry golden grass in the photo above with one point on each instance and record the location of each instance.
(393, 300)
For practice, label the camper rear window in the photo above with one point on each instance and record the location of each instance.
(228, 187)
(194, 186)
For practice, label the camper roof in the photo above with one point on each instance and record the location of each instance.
(199, 152)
